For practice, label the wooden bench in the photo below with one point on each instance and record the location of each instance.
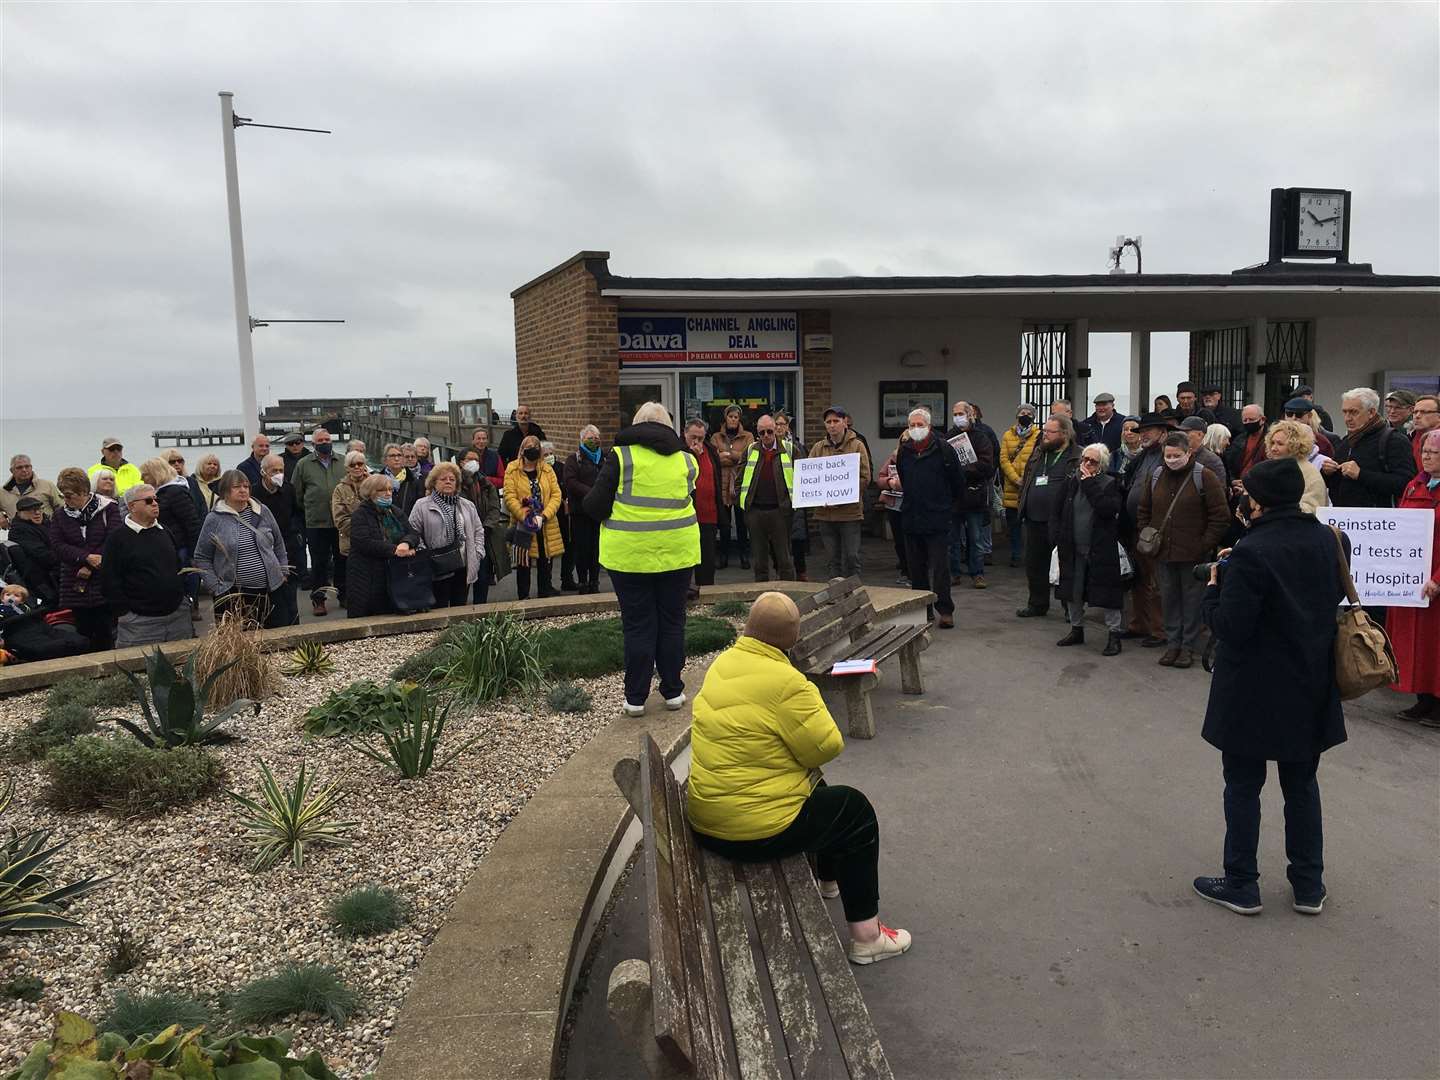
(843, 610)
(746, 978)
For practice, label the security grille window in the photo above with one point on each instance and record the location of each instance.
(1287, 363)
(1044, 365)
(1222, 358)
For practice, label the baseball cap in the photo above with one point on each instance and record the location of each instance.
(838, 410)
(109, 441)
(1404, 397)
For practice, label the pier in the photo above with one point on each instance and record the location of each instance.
(200, 436)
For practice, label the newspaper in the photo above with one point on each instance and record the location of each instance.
(963, 449)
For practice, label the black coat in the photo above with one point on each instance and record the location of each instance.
(580, 474)
(35, 559)
(1387, 465)
(977, 478)
(281, 504)
(1038, 503)
(1273, 694)
(933, 481)
(367, 588)
(178, 516)
(1231, 418)
(510, 442)
(1103, 586)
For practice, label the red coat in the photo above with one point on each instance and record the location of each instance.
(1415, 632)
(707, 487)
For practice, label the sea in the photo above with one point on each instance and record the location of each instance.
(54, 442)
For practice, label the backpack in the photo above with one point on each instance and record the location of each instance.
(1364, 660)
(1196, 474)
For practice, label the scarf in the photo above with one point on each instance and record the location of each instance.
(594, 455)
(450, 513)
(391, 525)
(529, 526)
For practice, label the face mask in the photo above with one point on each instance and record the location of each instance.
(592, 444)
(472, 466)
(1024, 420)
(550, 460)
(533, 454)
(1252, 426)
(276, 478)
(383, 502)
(919, 433)
(1176, 466)
(323, 449)
(961, 420)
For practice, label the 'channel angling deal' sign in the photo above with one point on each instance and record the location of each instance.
(748, 338)
(1390, 552)
(827, 481)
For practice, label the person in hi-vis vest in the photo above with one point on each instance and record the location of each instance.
(649, 544)
(766, 480)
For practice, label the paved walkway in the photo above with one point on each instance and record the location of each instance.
(1043, 811)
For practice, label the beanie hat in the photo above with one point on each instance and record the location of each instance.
(1275, 482)
(775, 620)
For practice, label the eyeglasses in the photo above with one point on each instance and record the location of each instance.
(149, 499)
(176, 460)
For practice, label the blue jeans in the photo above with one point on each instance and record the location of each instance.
(1017, 535)
(967, 550)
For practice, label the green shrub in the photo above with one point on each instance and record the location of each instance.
(288, 820)
(409, 746)
(112, 691)
(127, 952)
(30, 900)
(133, 1015)
(597, 647)
(174, 708)
(299, 990)
(567, 697)
(58, 725)
(488, 658)
(420, 666)
(23, 988)
(362, 708)
(730, 609)
(368, 910)
(75, 1050)
(120, 774)
(308, 658)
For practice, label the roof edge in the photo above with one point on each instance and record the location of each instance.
(602, 257)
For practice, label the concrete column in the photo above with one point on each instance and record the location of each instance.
(1079, 364)
(1139, 372)
(1259, 357)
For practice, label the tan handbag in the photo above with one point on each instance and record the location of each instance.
(1364, 660)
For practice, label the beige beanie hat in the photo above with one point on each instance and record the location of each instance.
(775, 620)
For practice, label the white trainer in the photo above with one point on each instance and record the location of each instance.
(673, 703)
(889, 943)
(632, 710)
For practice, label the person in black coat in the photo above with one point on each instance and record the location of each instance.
(1273, 695)
(972, 508)
(1374, 462)
(520, 429)
(1085, 529)
(1224, 414)
(377, 534)
(933, 480)
(1055, 457)
(581, 470)
(34, 558)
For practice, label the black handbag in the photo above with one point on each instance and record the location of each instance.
(444, 561)
(411, 583)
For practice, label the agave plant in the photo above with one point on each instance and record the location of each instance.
(309, 658)
(29, 900)
(287, 820)
(411, 743)
(178, 714)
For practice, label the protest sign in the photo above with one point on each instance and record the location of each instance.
(963, 450)
(827, 481)
(1390, 557)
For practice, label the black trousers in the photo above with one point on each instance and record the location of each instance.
(325, 551)
(927, 557)
(897, 534)
(567, 557)
(543, 574)
(1037, 563)
(585, 539)
(1304, 842)
(452, 591)
(253, 605)
(481, 592)
(837, 825)
(705, 571)
(652, 615)
(742, 534)
(96, 625)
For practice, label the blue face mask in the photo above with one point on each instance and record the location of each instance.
(384, 502)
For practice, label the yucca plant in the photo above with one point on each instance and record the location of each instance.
(308, 658)
(410, 745)
(488, 658)
(178, 714)
(289, 819)
(29, 900)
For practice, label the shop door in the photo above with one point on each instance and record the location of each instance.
(637, 390)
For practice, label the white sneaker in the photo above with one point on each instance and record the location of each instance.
(673, 703)
(632, 710)
(889, 943)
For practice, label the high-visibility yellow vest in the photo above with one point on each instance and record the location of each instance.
(752, 459)
(652, 526)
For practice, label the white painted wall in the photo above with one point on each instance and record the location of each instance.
(1350, 350)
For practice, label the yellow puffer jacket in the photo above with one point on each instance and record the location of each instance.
(517, 490)
(758, 730)
(1014, 454)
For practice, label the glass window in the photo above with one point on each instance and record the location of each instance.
(756, 392)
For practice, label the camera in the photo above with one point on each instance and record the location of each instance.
(1202, 570)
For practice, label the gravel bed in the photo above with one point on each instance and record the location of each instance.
(182, 880)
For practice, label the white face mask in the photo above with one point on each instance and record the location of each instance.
(276, 478)
(961, 420)
(472, 466)
(919, 433)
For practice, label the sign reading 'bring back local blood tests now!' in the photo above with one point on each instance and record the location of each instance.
(1390, 552)
(827, 481)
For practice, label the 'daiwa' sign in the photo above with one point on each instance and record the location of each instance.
(749, 338)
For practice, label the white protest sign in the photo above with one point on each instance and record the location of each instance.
(963, 450)
(1390, 556)
(827, 481)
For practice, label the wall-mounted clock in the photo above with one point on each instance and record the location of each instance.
(1310, 223)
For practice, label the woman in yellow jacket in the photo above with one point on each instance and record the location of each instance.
(1016, 446)
(759, 735)
(532, 496)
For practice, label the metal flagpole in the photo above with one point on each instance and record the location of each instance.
(249, 407)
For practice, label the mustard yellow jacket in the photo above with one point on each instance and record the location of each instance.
(517, 490)
(759, 729)
(1014, 456)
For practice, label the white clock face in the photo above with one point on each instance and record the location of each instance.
(1322, 222)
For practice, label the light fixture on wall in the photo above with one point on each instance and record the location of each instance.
(913, 358)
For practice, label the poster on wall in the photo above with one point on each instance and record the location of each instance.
(1390, 552)
(897, 398)
(718, 338)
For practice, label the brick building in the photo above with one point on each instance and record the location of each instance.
(591, 346)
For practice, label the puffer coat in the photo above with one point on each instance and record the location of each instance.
(517, 494)
(367, 583)
(1015, 452)
(72, 541)
(758, 730)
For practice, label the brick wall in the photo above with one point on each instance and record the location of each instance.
(567, 360)
(816, 369)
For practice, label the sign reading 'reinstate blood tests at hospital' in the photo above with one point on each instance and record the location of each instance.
(827, 481)
(1390, 552)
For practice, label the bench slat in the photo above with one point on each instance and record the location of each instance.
(885, 643)
(667, 975)
(754, 1048)
(855, 1030)
(838, 610)
(806, 649)
(787, 977)
(833, 591)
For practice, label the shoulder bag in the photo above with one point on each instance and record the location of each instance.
(1364, 660)
(1148, 542)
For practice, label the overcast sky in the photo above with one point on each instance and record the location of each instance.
(476, 146)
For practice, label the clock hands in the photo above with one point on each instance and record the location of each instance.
(1321, 221)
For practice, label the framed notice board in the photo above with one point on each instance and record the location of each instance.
(898, 397)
